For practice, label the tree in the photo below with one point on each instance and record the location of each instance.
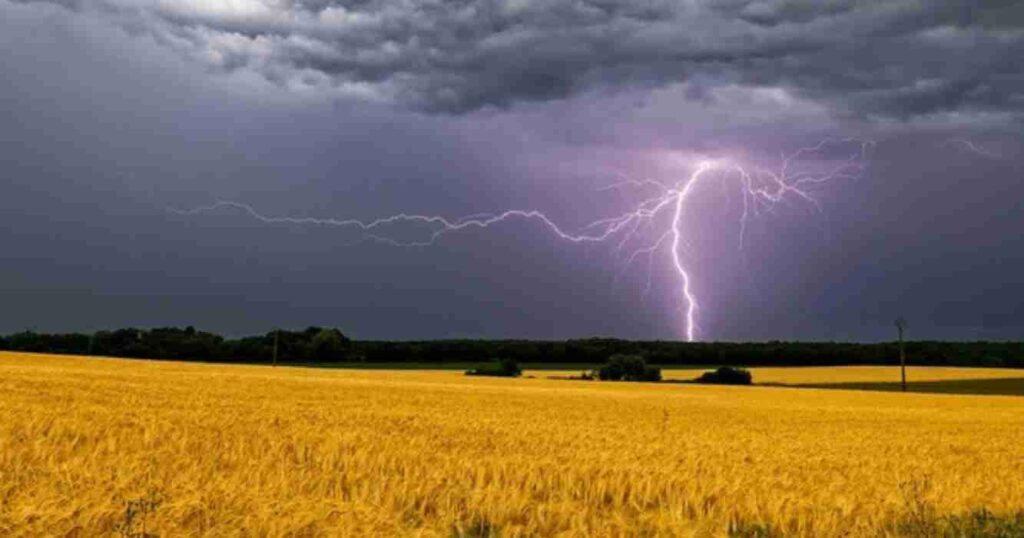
(328, 344)
(628, 368)
(726, 375)
(498, 368)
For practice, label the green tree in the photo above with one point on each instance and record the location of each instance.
(327, 345)
(628, 368)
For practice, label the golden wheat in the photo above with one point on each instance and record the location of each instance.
(812, 375)
(102, 446)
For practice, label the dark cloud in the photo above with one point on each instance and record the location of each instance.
(894, 59)
(112, 111)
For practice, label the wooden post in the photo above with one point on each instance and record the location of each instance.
(901, 324)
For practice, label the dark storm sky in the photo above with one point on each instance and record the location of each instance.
(114, 111)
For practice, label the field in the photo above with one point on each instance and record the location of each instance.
(931, 379)
(107, 446)
(809, 375)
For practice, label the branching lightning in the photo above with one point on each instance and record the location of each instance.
(638, 227)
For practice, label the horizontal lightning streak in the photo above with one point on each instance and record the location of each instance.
(970, 146)
(760, 189)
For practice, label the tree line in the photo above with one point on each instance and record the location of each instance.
(314, 344)
(317, 344)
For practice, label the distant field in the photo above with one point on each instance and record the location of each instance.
(539, 368)
(877, 374)
(200, 449)
(933, 379)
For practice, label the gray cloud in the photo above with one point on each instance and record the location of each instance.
(896, 60)
(112, 111)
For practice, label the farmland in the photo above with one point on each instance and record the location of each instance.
(91, 446)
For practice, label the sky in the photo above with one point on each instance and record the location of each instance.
(816, 168)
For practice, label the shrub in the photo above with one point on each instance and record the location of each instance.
(628, 368)
(498, 368)
(651, 373)
(726, 375)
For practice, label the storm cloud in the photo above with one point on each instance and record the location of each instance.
(112, 112)
(898, 59)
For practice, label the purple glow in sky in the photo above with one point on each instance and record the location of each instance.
(486, 135)
(760, 189)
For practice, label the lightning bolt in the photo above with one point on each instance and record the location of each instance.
(970, 146)
(761, 189)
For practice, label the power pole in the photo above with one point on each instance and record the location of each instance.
(277, 334)
(901, 325)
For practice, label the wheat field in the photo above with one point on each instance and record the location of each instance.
(106, 447)
(809, 375)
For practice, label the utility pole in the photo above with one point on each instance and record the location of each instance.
(901, 325)
(92, 340)
(277, 334)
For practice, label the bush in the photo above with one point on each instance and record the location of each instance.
(726, 375)
(628, 368)
(650, 373)
(499, 368)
